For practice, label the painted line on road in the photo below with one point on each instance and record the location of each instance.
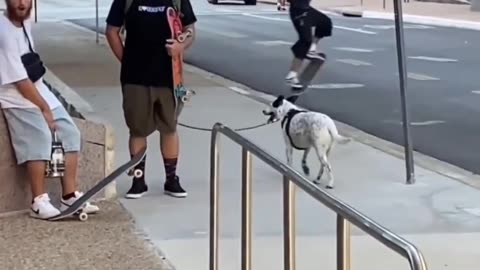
(434, 59)
(270, 43)
(220, 33)
(358, 30)
(420, 77)
(392, 26)
(354, 62)
(418, 124)
(476, 92)
(349, 49)
(336, 85)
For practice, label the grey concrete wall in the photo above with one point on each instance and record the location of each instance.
(96, 158)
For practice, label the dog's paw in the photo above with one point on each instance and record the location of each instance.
(316, 182)
(329, 187)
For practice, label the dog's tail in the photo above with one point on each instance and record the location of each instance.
(332, 129)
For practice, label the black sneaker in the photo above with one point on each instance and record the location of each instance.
(138, 189)
(174, 189)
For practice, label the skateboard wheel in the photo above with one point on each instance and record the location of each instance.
(138, 173)
(184, 99)
(83, 216)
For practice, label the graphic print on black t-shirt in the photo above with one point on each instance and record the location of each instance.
(145, 58)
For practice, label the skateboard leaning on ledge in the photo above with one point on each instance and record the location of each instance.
(74, 209)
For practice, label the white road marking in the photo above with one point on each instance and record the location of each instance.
(392, 26)
(264, 17)
(348, 49)
(435, 59)
(225, 10)
(476, 92)
(420, 77)
(221, 33)
(473, 211)
(354, 62)
(336, 85)
(422, 123)
(358, 30)
(273, 42)
(287, 20)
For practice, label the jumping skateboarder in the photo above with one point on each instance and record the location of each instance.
(304, 18)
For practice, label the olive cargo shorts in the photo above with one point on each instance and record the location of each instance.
(147, 109)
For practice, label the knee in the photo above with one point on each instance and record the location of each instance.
(72, 140)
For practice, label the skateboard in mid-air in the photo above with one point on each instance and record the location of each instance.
(176, 28)
(75, 208)
(307, 75)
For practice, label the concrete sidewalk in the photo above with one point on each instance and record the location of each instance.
(442, 14)
(440, 215)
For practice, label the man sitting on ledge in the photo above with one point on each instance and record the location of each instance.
(32, 112)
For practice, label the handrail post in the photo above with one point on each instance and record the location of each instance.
(343, 243)
(214, 175)
(288, 225)
(246, 209)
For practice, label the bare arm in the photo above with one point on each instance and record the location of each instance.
(115, 41)
(30, 92)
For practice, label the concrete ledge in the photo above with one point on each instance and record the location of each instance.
(96, 158)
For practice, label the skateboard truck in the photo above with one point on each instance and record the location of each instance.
(56, 165)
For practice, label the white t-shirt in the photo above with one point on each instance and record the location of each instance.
(14, 44)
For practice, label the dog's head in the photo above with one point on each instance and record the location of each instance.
(279, 108)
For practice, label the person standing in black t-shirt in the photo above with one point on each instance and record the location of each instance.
(147, 80)
(304, 17)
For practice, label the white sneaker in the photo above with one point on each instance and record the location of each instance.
(87, 208)
(42, 208)
(292, 79)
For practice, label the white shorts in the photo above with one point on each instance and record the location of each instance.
(31, 137)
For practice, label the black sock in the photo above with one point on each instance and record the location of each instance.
(170, 168)
(68, 196)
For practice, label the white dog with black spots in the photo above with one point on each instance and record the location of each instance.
(304, 130)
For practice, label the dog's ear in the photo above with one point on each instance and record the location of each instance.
(292, 99)
(278, 102)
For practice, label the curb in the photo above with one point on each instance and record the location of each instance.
(428, 20)
(77, 107)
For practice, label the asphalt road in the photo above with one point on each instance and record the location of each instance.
(359, 83)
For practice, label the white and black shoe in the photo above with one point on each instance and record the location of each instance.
(87, 207)
(42, 208)
(292, 80)
(173, 188)
(138, 189)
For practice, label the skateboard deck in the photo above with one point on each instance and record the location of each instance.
(74, 208)
(176, 28)
(307, 76)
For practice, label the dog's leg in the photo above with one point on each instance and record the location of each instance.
(305, 167)
(320, 153)
(289, 153)
(325, 163)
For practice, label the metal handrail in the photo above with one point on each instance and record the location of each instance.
(345, 213)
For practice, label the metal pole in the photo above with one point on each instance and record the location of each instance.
(214, 175)
(246, 210)
(403, 86)
(288, 224)
(96, 18)
(384, 4)
(343, 243)
(35, 7)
